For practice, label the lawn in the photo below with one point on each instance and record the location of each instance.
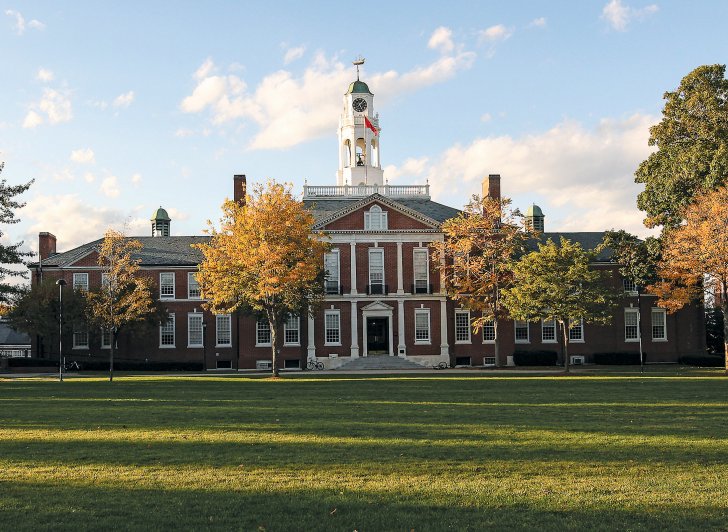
(314, 452)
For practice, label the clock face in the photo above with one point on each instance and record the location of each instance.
(359, 104)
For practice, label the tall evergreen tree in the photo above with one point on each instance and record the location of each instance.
(10, 254)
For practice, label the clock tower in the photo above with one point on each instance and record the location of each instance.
(359, 137)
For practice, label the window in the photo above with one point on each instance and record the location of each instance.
(166, 333)
(489, 332)
(80, 281)
(104, 280)
(223, 335)
(166, 285)
(262, 332)
(292, 331)
(421, 271)
(105, 339)
(331, 264)
(659, 330)
(422, 326)
(521, 328)
(375, 219)
(548, 331)
(629, 286)
(80, 336)
(332, 327)
(376, 270)
(576, 331)
(193, 287)
(630, 325)
(462, 326)
(194, 330)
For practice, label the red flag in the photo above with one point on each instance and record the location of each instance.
(370, 125)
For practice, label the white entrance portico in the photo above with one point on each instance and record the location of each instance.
(375, 310)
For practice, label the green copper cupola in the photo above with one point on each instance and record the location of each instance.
(160, 222)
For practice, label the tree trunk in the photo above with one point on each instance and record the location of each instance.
(724, 308)
(111, 356)
(565, 339)
(273, 342)
(496, 347)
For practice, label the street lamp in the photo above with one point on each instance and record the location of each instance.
(61, 283)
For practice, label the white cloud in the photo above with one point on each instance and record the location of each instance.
(73, 221)
(89, 177)
(20, 25)
(618, 15)
(110, 187)
(124, 100)
(486, 117)
(293, 53)
(83, 156)
(290, 110)
(183, 132)
(441, 39)
(136, 179)
(44, 75)
(205, 69)
(584, 174)
(537, 23)
(55, 105)
(409, 169)
(495, 33)
(64, 174)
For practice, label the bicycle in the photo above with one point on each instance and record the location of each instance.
(314, 364)
(71, 365)
(441, 365)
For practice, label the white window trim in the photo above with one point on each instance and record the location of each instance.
(528, 332)
(428, 341)
(190, 317)
(80, 346)
(106, 346)
(625, 281)
(257, 328)
(426, 251)
(455, 328)
(173, 321)
(174, 282)
(373, 251)
(191, 275)
(636, 313)
(298, 328)
(336, 252)
(81, 286)
(580, 340)
(376, 211)
(482, 331)
(217, 330)
(336, 313)
(556, 332)
(664, 326)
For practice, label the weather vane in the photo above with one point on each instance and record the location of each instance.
(358, 62)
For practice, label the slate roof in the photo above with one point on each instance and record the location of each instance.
(9, 336)
(156, 251)
(322, 208)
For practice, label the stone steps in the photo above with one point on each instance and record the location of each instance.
(379, 362)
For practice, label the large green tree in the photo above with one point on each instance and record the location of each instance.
(10, 254)
(692, 147)
(558, 282)
(264, 260)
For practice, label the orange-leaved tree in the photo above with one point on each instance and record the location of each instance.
(477, 257)
(695, 257)
(264, 259)
(124, 297)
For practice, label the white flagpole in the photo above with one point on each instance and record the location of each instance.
(366, 150)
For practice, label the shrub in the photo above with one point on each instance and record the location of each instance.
(535, 358)
(32, 363)
(618, 358)
(704, 361)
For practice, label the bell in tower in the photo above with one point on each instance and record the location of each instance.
(359, 137)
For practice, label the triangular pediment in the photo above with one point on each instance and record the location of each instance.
(382, 200)
(378, 305)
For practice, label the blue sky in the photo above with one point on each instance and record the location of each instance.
(117, 108)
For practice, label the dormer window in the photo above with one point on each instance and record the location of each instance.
(375, 219)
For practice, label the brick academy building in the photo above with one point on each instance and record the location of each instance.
(383, 291)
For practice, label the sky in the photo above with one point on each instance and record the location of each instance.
(117, 108)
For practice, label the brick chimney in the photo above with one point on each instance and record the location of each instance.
(239, 188)
(491, 186)
(46, 245)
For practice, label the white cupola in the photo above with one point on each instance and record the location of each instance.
(359, 137)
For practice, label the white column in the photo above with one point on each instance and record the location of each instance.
(444, 350)
(352, 267)
(354, 331)
(311, 343)
(401, 350)
(400, 274)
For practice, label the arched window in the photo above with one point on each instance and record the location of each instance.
(375, 219)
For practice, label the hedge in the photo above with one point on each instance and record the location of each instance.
(627, 359)
(32, 363)
(535, 358)
(704, 361)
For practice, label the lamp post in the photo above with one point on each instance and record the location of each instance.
(61, 283)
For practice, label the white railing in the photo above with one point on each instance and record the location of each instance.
(362, 191)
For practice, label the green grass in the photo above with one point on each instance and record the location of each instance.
(365, 453)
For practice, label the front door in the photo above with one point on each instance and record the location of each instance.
(377, 336)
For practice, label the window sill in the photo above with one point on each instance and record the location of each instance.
(80, 347)
(549, 341)
(195, 346)
(166, 297)
(576, 341)
(107, 347)
(297, 344)
(167, 347)
(263, 345)
(423, 342)
(223, 345)
(326, 344)
(463, 342)
(489, 342)
(523, 341)
(659, 340)
(631, 340)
